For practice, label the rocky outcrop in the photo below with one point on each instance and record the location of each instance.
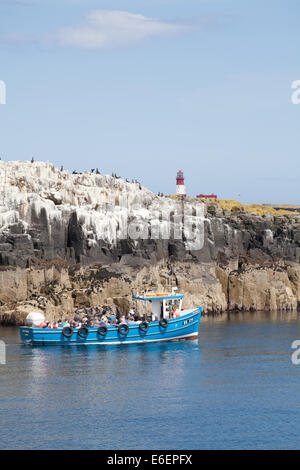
(85, 218)
(264, 288)
(73, 240)
(60, 291)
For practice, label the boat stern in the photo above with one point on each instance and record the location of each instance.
(26, 334)
(195, 322)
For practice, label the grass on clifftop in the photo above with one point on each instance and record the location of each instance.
(236, 206)
(231, 205)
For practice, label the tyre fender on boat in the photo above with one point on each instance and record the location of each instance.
(123, 329)
(102, 330)
(83, 332)
(67, 331)
(164, 323)
(144, 326)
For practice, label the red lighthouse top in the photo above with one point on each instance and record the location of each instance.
(180, 178)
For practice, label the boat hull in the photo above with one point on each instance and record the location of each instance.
(184, 327)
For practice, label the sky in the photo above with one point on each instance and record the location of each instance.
(145, 88)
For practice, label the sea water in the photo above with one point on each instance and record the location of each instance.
(234, 388)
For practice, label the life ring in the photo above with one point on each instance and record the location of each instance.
(123, 329)
(102, 330)
(83, 332)
(67, 331)
(164, 323)
(144, 326)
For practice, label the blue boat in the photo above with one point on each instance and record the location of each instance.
(165, 325)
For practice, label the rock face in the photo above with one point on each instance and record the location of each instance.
(51, 221)
(58, 291)
(83, 218)
(264, 288)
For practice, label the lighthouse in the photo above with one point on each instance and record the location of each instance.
(180, 187)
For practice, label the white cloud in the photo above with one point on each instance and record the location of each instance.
(103, 29)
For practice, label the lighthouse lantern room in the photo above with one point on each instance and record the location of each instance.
(180, 187)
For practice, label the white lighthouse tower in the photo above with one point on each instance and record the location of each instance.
(180, 187)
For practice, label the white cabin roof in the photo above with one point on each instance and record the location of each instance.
(159, 296)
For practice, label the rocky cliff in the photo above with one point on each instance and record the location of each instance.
(73, 240)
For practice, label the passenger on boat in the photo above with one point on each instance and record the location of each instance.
(123, 320)
(130, 319)
(172, 313)
(112, 317)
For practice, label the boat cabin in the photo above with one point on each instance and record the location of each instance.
(164, 304)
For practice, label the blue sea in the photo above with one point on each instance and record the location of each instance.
(234, 388)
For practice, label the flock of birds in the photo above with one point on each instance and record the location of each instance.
(97, 172)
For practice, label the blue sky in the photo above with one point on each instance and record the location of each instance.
(144, 88)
